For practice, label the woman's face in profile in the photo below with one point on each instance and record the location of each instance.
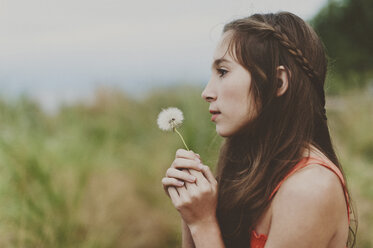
(228, 91)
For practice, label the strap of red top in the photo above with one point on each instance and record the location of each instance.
(312, 160)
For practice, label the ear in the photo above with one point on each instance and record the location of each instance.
(282, 75)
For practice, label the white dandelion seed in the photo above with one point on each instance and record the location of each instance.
(169, 119)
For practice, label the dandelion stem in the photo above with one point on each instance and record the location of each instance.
(181, 138)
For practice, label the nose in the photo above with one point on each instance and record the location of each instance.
(208, 93)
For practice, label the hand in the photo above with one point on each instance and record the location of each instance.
(179, 174)
(197, 202)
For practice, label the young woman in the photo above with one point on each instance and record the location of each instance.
(279, 182)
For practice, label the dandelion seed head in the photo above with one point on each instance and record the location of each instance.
(170, 118)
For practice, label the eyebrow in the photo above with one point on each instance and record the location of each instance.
(217, 62)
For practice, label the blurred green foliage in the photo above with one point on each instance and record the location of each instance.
(90, 174)
(346, 28)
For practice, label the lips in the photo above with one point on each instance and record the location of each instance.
(215, 114)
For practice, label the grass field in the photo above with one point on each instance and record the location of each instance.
(90, 174)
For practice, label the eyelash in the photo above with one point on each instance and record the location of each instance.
(222, 72)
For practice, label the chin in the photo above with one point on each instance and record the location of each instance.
(223, 132)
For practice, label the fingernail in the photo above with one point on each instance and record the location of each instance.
(200, 166)
(192, 178)
(180, 183)
(197, 159)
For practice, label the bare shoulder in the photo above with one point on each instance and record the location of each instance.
(309, 204)
(313, 183)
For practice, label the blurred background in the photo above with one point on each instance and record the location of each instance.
(82, 83)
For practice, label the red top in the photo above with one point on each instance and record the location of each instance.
(259, 240)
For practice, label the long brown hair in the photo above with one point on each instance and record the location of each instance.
(257, 158)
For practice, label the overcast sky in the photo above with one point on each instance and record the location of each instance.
(62, 50)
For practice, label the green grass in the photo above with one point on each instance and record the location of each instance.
(351, 126)
(90, 175)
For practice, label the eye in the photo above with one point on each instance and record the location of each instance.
(221, 72)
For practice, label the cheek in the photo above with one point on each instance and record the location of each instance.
(238, 112)
(236, 115)
(237, 101)
(240, 116)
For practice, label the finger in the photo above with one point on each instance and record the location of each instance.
(183, 194)
(182, 190)
(188, 185)
(187, 164)
(180, 175)
(190, 190)
(208, 174)
(166, 191)
(200, 178)
(174, 195)
(182, 153)
(169, 181)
